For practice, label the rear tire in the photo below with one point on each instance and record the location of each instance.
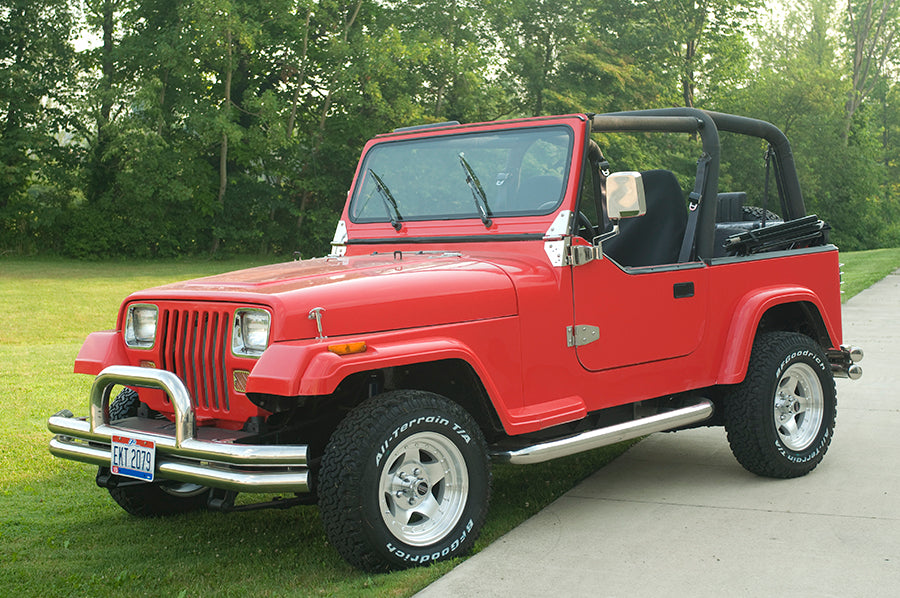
(780, 419)
(405, 481)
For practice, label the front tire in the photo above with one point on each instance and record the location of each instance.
(405, 481)
(124, 405)
(780, 419)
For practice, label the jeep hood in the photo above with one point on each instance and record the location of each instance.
(359, 295)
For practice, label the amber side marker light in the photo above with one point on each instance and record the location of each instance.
(348, 348)
(239, 378)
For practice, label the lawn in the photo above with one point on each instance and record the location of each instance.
(862, 269)
(61, 535)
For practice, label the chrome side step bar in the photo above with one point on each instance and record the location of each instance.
(586, 441)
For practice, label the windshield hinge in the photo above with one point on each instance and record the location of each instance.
(581, 334)
(578, 255)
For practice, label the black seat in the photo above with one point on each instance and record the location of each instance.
(654, 238)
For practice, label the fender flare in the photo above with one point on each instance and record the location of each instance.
(306, 368)
(101, 349)
(747, 315)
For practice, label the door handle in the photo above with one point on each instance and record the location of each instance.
(683, 290)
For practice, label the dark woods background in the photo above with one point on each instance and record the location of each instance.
(149, 128)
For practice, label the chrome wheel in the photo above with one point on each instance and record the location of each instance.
(423, 488)
(780, 419)
(799, 406)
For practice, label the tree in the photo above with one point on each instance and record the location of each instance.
(873, 37)
(534, 34)
(35, 76)
(800, 87)
(687, 44)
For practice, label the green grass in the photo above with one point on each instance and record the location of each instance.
(862, 269)
(61, 535)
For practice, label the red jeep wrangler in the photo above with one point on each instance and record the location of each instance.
(494, 292)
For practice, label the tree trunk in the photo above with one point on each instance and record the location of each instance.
(223, 148)
(317, 146)
(873, 37)
(301, 76)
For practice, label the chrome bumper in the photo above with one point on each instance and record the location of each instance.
(185, 453)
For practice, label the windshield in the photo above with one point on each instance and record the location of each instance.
(519, 172)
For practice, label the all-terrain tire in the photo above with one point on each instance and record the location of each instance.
(780, 419)
(405, 480)
(751, 213)
(124, 405)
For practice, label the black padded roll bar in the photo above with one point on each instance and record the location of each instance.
(793, 201)
(679, 120)
(707, 124)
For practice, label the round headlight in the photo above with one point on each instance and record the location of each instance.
(250, 335)
(140, 325)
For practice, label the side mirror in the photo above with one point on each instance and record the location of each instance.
(625, 195)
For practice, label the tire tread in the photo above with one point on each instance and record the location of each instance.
(747, 408)
(342, 467)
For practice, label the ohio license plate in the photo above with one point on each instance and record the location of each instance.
(133, 457)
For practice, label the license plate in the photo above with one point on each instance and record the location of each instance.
(133, 457)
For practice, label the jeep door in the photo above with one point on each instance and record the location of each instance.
(629, 316)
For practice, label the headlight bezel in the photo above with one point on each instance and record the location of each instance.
(250, 332)
(141, 326)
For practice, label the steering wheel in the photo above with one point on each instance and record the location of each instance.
(584, 228)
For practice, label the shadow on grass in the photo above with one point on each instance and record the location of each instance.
(62, 536)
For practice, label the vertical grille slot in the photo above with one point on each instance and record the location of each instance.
(193, 347)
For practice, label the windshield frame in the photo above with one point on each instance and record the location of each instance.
(532, 134)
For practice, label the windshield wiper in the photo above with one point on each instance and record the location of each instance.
(390, 204)
(474, 184)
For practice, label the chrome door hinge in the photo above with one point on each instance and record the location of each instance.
(578, 255)
(580, 335)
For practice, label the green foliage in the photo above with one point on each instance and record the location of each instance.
(36, 171)
(197, 126)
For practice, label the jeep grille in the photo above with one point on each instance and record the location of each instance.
(194, 343)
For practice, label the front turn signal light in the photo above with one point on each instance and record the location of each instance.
(348, 348)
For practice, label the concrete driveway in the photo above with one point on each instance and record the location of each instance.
(677, 516)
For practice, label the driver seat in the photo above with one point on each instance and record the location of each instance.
(655, 238)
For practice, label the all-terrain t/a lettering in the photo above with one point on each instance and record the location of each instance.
(508, 291)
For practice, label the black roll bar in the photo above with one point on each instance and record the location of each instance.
(679, 120)
(707, 125)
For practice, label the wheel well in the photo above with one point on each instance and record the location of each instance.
(451, 378)
(312, 419)
(802, 317)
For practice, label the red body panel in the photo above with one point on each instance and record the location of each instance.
(494, 298)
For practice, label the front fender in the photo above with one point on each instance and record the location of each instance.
(746, 319)
(101, 349)
(309, 368)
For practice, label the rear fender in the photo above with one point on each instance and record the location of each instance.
(747, 317)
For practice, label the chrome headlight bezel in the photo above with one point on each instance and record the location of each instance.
(141, 322)
(250, 332)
